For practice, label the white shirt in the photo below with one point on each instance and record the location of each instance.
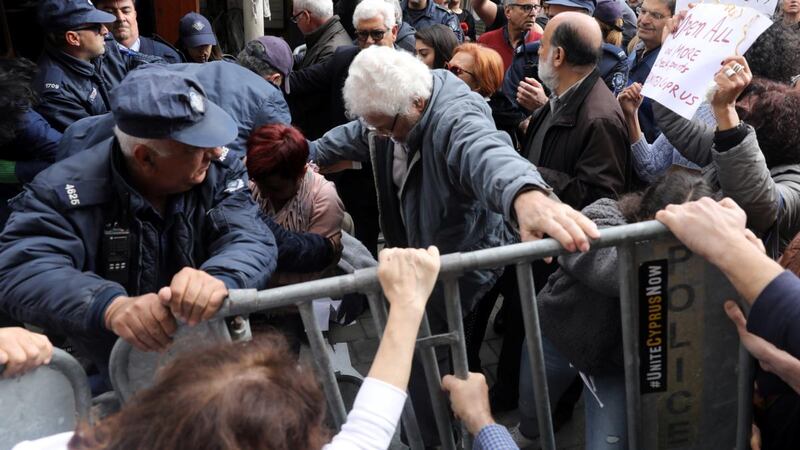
(135, 47)
(370, 425)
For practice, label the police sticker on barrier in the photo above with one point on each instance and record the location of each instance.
(653, 276)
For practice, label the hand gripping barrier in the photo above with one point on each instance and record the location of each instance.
(682, 400)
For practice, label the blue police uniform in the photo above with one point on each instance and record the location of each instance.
(154, 47)
(641, 64)
(613, 69)
(432, 14)
(70, 88)
(55, 270)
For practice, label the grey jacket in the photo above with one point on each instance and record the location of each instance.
(463, 176)
(766, 195)
(579, 306)
(323, 42)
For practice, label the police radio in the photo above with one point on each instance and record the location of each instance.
(116, 250)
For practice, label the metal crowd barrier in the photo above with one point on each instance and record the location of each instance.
(677, 392)
(47, 400)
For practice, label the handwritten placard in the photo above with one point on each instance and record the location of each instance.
(763, 6)
(691, 56)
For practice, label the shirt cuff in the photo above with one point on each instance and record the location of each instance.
(493, 436)
(728, 139)
(381, 399)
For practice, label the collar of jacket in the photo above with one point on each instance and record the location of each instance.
(327, 30)
(71, 63)
(568, 114)
(415, 135)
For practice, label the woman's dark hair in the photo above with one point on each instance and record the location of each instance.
(248, 395)
(775, 55)
(773, 110)
(678, 185)
(442, 40)
(16, 94)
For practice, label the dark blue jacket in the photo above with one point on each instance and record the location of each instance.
(34, 148)
(51, 271)
(249, 99)
(640, 66)
(613, 69)
(72, 89)
(150, 46)
(434, 14)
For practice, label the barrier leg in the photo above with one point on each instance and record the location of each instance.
(322, 362)
(629, 310)
(530, 318)
(413, 434)
(744, 408)
(455, 320)
(434, 380)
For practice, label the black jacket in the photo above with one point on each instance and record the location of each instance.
(585, 153)
(159, 48)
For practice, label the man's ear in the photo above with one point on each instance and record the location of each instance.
(395, 30)
(559, 57)
(507, 11)
(72, 38)
(419, 104)
(144, 157)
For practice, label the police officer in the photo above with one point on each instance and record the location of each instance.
(424, 13)
(126, 31)
(80, 64)
(613, 67)
(123, 238)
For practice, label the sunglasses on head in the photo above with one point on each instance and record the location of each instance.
(457, 71)
(376, 35)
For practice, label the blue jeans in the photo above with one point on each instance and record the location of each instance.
(606, 427)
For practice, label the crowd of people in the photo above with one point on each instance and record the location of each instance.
(141, 180)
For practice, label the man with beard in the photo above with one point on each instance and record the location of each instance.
(126, 31)
(578, 138)
(521, 15)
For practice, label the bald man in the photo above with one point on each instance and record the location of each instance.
(578, 138)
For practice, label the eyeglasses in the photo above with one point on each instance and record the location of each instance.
(457, 71)
(654, 15)
(381, 131)
(296, 18)
(527, 8)
(376, 35)
(97, 28)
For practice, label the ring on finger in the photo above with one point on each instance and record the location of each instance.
(729, 72)
(737, 68)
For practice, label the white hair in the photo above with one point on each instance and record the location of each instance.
(398, 11)
(370, 9)
(127, 143)
(385, 81)
(321, 9)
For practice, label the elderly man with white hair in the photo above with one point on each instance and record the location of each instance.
(317, 106)
(445, 175)
(322, 30)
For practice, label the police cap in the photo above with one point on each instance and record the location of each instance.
(63, 15)
(155, 103)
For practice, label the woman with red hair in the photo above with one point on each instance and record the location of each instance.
(289, 190)
(481, 68)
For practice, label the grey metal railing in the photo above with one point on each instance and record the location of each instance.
(245, 302)
(47, 400)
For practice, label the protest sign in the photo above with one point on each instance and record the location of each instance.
(763, 6)
(691, 56)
